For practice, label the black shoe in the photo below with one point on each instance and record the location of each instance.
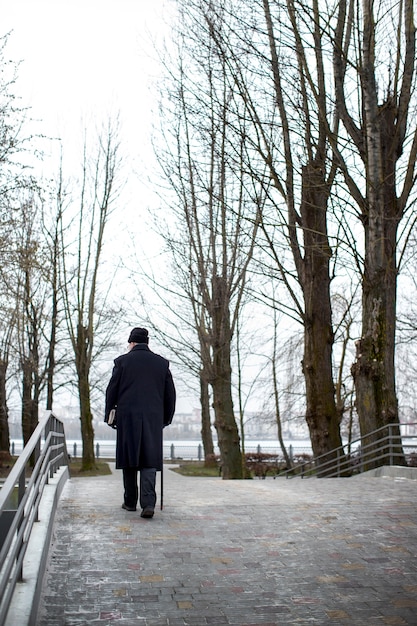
(148, 511)
(128, 508)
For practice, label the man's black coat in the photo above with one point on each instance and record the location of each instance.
(142, 389)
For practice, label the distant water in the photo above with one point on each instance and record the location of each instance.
(181, 449)
(194, 449)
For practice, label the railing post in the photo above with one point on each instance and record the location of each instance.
(22, 486)
(51, 428)
(21, 493)
(391, 450)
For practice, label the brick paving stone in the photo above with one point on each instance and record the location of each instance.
(247, 553)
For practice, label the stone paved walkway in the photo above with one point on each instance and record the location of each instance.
(252, 553)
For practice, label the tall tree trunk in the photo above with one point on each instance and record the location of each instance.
(374, 370)
(86, 417)
(50, 370)
(50, 365)
(321, 411)
(221, 382)
(226, 427)
(386, 133)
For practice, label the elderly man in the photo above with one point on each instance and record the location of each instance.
(142, 391)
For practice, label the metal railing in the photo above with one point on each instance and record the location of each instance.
(42, 456)
(384, 446)
(173, 450)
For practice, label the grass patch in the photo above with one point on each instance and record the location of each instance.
(101, 468)
(196, 469)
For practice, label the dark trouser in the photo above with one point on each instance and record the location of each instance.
(147, 486)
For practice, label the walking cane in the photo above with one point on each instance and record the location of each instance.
(162, 485)
(162, 474)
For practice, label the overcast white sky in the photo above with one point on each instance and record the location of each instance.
(83, 60)
(85, 57)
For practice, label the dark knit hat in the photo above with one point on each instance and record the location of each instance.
(138, 335)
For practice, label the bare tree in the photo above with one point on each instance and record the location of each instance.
(15, 145)
(314, 146)
(52, 236)
(84, 304)
(375, 71)
(214, 242)
(288, 152)
(30, 288)
(312, 259)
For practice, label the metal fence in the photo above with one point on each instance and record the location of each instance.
(173, 451)
(193, 452)
(386, 446)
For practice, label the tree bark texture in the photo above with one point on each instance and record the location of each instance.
(374, 368)
(221, 382)
(380, 141)
(321, 412)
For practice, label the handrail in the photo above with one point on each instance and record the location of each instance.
(18, 522)
(384, 446)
